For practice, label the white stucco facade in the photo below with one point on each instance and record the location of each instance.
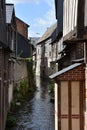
(38, 59)
(85, 19)
(10, 93)
(69, 15)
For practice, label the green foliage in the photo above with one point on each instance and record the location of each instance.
(21, 91)
(51, 88)
(26, 86)
(19, 55)
(28, 59)
(31, 81)
(11, 120)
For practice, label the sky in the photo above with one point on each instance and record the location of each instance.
(39, 14)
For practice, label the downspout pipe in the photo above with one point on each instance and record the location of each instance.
(85, 53)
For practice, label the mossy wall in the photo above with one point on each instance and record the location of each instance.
(25, 84)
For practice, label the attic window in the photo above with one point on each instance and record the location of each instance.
(2, 4)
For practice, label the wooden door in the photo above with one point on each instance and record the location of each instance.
(75, 105)
(70, 105)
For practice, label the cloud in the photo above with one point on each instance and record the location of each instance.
(48, 18)
(32, 33)
(50, 3)
(22, 1)
(40, 23)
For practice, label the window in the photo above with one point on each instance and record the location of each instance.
(50, 53)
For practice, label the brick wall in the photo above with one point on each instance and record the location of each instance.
(22, 28)
(66, 80)
(77, 73)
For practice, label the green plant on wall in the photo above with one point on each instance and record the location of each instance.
(11, 120)
(21, 52)
(51, 88)
(30, 73)
(26, 86)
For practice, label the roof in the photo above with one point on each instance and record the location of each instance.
(9, 12)
(56, 7)
(65, 70)
(22, 21)
(48, 33)
(34, 40)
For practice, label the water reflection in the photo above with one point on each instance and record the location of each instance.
(38, 113)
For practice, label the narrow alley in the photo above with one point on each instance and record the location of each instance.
(48, 39)
(38, 113)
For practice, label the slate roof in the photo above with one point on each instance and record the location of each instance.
(65, 70)
(9, 12)
(48, 33)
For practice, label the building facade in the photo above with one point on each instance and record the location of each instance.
(46, 55)
(4, 66)
(22, 27)
(71, 84)
(11, 39)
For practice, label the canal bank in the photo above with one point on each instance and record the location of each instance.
(37, 113)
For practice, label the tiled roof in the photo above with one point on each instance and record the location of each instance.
(48, 33)
(9, 11)
(65, 70)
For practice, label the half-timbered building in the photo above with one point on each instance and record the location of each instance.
(71, 79)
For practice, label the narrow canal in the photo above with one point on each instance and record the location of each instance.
(38, 113)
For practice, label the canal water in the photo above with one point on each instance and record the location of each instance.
(38, 113)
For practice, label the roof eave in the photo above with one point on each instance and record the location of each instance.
(65, 70)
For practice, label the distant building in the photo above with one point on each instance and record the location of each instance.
(22, 27)
(23, 51)
(24, 47)
(45, 52)
(33, 42)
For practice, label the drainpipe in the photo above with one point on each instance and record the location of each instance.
(85, 53)
(85, 100)
(16, 44)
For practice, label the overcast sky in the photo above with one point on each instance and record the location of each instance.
(39, 14)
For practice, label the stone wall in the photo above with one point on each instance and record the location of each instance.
(20, 71)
